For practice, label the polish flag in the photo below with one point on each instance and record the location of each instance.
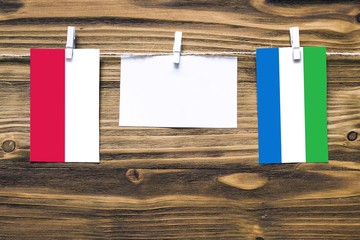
(292, 119)
(64, 105)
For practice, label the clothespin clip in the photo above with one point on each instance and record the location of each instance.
(70, 43)
(295, 42)
(177, 47)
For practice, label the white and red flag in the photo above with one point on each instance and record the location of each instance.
(64, 105)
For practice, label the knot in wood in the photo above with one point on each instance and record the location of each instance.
(259, 238)
(358, 18)
(135, 176)
(352, 136)
(8, 146)
(10, 6)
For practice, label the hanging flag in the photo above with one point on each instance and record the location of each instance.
(64, 105)
(292, 119)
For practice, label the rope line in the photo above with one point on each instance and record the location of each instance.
(128, 54)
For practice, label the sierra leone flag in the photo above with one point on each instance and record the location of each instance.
(292, 121)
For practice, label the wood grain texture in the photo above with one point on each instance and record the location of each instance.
(179, 183)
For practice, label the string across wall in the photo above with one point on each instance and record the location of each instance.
(241, 53)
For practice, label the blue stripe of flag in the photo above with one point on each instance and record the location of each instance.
(268, 96)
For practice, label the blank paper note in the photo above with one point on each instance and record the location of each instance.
(200, 92)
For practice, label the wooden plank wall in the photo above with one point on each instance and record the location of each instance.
(180, 183)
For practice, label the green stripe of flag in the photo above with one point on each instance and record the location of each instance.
(315, 104)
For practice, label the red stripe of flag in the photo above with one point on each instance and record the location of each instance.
(47, 105)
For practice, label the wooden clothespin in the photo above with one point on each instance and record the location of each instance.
(177, 47)
(295, 42)
(70, 43)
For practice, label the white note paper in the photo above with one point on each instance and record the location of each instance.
(200, 92)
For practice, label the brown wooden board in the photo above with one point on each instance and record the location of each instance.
(166, 183)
